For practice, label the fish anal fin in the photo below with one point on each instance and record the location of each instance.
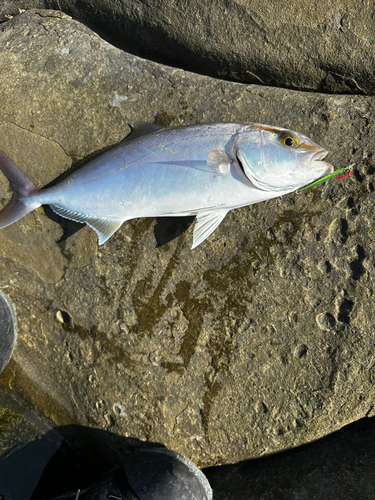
(207, 222)
(104, 228)
(219, 161)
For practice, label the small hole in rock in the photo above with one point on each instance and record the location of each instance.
(63, 317)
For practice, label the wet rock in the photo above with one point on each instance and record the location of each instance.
(217, 352)
(324, 46)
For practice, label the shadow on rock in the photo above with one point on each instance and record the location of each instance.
(72, 458)
(340, 465)
(69, 227)
(168, 228)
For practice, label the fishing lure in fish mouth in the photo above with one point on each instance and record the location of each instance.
(204, 170)
(341, 173)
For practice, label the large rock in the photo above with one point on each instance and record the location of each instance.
(324, 46)
(258, 340)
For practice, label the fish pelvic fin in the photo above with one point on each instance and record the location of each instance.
(104, 228)
(207, 222)
(23, 188)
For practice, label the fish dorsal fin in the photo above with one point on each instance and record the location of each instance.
(103, 227)
(207, 222)
(139, 129)
(219, 161)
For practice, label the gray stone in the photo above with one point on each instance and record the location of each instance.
(222, 353)
(11, 8)
(323, 46)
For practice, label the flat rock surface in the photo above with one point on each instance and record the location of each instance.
(311, 45)
(260, 339)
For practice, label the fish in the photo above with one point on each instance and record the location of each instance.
(204, 170)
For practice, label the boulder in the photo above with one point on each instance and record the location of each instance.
(320, 46)
(258, 340)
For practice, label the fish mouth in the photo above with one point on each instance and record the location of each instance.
(313, 161)
(319, 155)
(322, 166)
(310, 156)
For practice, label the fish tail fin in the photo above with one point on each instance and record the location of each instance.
(22, 187)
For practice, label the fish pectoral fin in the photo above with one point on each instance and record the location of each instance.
(219, 161)
(207, 222)
(103, 227)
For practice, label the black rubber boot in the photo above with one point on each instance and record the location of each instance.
(156, 474)
(8, 329)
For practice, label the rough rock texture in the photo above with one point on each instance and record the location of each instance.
(258, 340)
(311, 45)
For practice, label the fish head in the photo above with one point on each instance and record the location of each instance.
(277, 159)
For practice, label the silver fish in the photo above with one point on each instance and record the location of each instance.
(203, 170)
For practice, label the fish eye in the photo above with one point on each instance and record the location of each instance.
(288, 140)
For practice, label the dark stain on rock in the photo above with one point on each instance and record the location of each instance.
(107, 344)
(102, 284)
(208, 400)
(129, 251)
(151, 312)
(141, 291)
(193, 309)
(128, 260)
(220, 348)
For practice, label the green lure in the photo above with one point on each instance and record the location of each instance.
(340, 173)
